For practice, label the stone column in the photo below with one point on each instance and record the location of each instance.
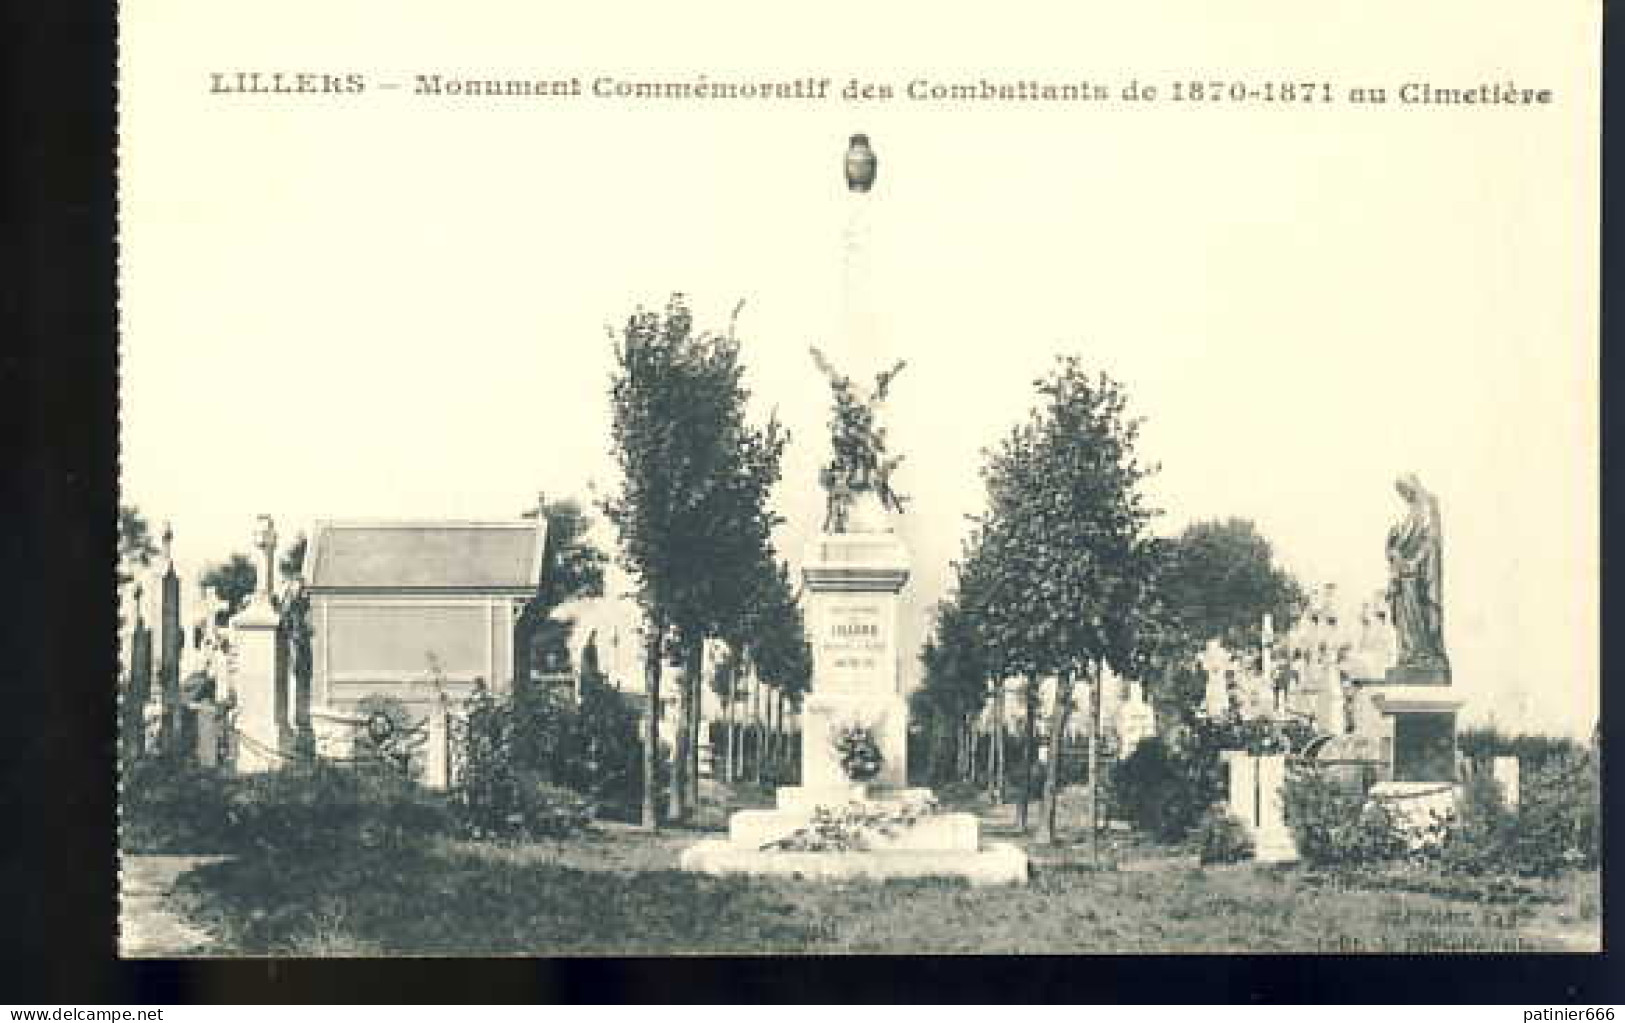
(170, 641)
(437, 769)
(253, 635)
(260, 718)
(134, 718)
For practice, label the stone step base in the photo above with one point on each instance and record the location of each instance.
(1274, 845)
(996, 863)
(941, 832)
(805, 797)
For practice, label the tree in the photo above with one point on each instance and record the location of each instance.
(572, 569)
(954, 683)
(233, 581)
(1215, 580)
(1065, 554)
(575, 565)
(292, 563)
(136, 547)
(691, 510)
(779, 648)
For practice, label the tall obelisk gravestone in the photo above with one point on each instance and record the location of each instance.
(855, 571)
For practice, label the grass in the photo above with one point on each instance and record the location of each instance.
(616, 891)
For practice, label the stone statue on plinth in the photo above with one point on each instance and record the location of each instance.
(859, 466)
(1415, 594)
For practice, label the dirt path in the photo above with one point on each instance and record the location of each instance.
(150, 924)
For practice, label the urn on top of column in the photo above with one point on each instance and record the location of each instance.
(860, 164)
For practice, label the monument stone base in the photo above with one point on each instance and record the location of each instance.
(1417, 725)
(998, 863)
(853, 580)
(946, 845)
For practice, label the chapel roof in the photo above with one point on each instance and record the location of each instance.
(485, 557)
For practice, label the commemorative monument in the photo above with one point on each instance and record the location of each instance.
(853, 814)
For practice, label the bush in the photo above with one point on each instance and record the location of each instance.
(390, 739)
(322, 807)
(169, 806)
(1334, 825)
(1533, 751)
(1221, 838)
(523, 763)
(1476, 838)
(547, 810)
(173, 808)
(1158, 792)
(1555, 827)
(1560, 816)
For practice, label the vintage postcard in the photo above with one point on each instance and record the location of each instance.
(639, 479)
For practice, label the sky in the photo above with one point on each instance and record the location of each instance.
(397, 306)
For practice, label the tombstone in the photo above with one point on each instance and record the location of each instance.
(1331, 709)
(208, 719)
(1135, 721)
(1272, 841)
(1216, 696)
(1241, 773)
(437, 753)
(1505, 771)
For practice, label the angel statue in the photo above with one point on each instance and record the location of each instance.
(858, 464)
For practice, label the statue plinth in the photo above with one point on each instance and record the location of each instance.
(853, 584)
(1417, 675)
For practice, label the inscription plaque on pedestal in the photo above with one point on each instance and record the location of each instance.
(852, 645)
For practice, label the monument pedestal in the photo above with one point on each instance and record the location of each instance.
(1415, 723)
(259, 717)
(1412, 717)
(853, 581)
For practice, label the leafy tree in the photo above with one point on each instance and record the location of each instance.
(691, 510)
(1215, 580)
(1066, 562)
(292, 563)
(779, 648)
(573, 569)
(575, 565)
(954, 683)
(136, 547)
(233, 581)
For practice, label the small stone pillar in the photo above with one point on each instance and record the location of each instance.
(1242, 773)
(1505, 771)
(437, 767)
(260, 722)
